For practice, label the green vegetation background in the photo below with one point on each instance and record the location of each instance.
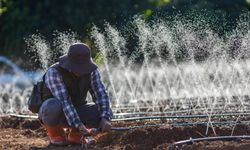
(21, 18)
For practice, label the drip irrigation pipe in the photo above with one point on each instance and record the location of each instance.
(136, 127)
(154, 117)
(168, 124)
(178, 117)
(179, 104)
(221, 138)
(179, 124)
(118, 110)
(173, 124)
(24, 116)
(168, 112)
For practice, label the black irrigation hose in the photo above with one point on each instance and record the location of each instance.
(218, 138)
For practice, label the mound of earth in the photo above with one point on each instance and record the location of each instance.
(19, 133)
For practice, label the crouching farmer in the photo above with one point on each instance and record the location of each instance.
(66, 85)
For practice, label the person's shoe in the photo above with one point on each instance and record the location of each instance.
(58, 141)
(55, 134)
(75, 137)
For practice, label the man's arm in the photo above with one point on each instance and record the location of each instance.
(54, 82)
(100, 96)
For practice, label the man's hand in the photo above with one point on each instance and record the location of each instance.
(105, 125)
(83, 129)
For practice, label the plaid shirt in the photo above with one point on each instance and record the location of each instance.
(54, 82)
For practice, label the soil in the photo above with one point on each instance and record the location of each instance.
(19, 133)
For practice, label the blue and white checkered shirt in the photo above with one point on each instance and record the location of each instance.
(54, 82)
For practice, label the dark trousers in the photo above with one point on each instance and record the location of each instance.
(51, 114)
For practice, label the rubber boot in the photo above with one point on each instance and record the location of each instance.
(56, 136)
(75, 137)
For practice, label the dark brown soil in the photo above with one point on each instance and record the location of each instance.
(19, 133)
